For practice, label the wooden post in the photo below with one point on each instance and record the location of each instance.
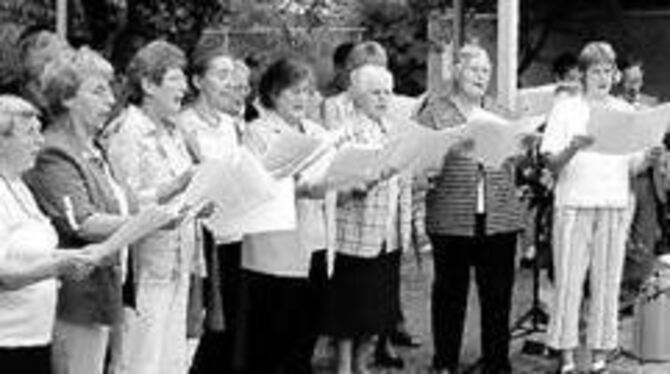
(508, 47)
(61, 18)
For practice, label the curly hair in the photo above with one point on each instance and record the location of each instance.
(63, 76)
(151, 62)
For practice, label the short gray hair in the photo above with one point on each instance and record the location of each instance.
(365, 53)
(470, 51)
(362, 75)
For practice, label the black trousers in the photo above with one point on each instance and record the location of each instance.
(216, 348)
(279, 321)
(33, 360)
(492, 257)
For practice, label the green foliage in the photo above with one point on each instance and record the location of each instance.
(32, 12)
(401, 29)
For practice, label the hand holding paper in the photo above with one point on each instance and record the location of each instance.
(579, 142)
(138, 226)
(417, 149)
(353, 165)
(494, 141)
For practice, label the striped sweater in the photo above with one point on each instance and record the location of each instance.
(452, 202)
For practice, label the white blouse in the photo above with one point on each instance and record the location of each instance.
(214, 141)
(285, 253)
(27, 314)
(590, 179)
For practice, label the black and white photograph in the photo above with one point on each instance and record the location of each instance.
(334, 187)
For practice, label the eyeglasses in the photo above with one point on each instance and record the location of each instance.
(239, 88)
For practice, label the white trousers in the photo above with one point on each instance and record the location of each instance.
(79, 348)
(593, 241)
(154, 340)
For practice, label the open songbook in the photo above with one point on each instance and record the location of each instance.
(619, 132)
(414, 149)
(494, 140)
(293, 152)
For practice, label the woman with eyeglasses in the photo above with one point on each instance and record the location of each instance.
(74, 186)
(29, 258)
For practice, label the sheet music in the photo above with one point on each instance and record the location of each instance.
(416, 149)
(495, 139)
(619, 132)
(276, 214)
(292, 153)
(352, 165)
(235, 186)
(533, 101)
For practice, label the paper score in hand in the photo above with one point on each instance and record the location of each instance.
(352, 165)
(416, 149)
(497, 139)
(619, 132)
(235, 186)
(293, 152)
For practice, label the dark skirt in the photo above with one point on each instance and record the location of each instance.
(278, 320)
(221, 294)
(363, 296)
(33, 360)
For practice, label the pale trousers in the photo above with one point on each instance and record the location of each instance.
(154, 340)
(79, 348)
(587, 240)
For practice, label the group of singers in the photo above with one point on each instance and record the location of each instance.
(78, 160)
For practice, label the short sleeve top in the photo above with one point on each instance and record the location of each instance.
(589, 179)
(27, 314)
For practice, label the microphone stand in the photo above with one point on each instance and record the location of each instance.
(535, 319)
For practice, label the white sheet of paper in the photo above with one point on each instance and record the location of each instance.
(235, 186)
(538, 100)
(495, 140)
(352, 165)
(292, 153)
(276, 214)
(416, 149)
(139, 226)
(620, 132)
(404, 108)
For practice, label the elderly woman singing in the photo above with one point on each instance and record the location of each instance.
(73, 185)
(472, 218)
(284, 271)
(373, 225)
(29, 259)
(214, 125)
(147, 151)
(593, 208)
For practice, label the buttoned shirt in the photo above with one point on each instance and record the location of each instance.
(380, 219)
(146, 156)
